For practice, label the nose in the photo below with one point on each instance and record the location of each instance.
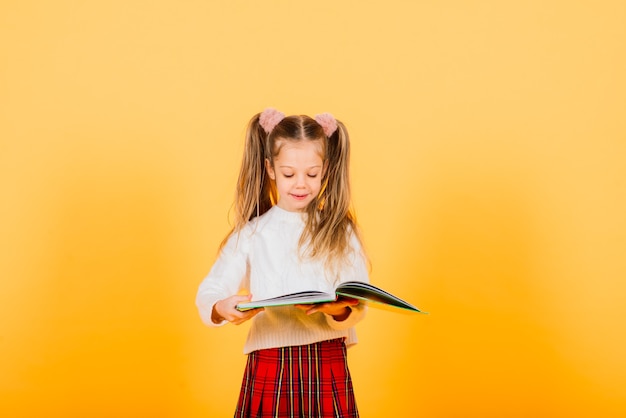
(301, 180)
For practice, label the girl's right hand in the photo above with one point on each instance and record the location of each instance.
(226, 310)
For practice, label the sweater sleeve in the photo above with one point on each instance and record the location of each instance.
(225, 278)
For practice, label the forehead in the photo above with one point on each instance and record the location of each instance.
(304, 149)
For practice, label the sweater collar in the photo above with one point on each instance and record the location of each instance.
(285, 215)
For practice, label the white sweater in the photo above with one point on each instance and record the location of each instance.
(263, 260)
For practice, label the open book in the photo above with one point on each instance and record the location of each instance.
(357, 290)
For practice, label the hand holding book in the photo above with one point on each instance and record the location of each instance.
(339, 309)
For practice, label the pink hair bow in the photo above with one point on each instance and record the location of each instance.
(327, 122)
(270, 118)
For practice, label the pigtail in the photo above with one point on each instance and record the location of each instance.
(331, 220)
(338, 189)
(255, 193)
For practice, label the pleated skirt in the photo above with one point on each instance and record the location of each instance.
(309, 381)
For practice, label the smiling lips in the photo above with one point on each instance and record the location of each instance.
(299, 196)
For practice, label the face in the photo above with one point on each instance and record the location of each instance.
(298, 169)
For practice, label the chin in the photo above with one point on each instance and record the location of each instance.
(300, 207)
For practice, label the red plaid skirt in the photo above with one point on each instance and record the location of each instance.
(301, 381)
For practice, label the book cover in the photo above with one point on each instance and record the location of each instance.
(358, 290)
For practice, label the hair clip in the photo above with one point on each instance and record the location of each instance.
(327, 122)
(269, 118)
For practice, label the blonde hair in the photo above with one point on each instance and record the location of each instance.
(330, 218)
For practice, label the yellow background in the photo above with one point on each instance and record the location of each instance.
(489, 171)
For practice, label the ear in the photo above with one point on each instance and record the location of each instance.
(270, 169)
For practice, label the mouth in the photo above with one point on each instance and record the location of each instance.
(299, 196)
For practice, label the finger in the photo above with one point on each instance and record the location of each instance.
(311, 309)
(254, 312)
(349, 301)
(241, 298)
(242, 317)
(236, 320)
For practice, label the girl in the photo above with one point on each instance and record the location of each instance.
(293, 231)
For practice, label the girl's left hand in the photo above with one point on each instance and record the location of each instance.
(339, 310)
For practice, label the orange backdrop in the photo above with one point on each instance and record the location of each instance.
(489, 150)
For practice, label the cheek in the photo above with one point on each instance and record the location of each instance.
(282, 183)
(316, 183)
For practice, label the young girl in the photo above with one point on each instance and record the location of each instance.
(293, 231)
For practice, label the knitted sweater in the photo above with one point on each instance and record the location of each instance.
(263, 260)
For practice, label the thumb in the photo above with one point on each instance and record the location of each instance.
(243, 298)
